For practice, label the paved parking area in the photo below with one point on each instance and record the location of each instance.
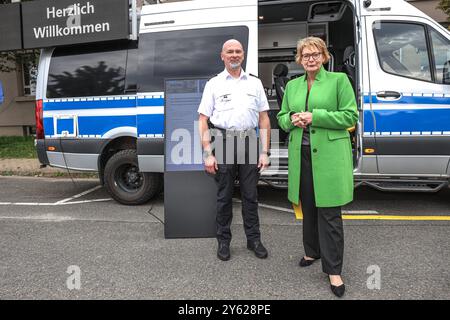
(48, 227)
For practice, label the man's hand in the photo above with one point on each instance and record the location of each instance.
(211, 164)
(263, 162)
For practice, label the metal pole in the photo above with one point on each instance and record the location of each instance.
(133, 35)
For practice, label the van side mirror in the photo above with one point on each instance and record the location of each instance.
(446, 73)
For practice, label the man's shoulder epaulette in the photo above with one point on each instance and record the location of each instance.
(254, 76)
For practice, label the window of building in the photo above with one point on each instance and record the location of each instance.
(29, 73)
(402, 49)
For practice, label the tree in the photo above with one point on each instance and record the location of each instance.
(444, 5)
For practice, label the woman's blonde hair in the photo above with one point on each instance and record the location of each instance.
(312, 42)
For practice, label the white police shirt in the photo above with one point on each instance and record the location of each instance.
(233, 103)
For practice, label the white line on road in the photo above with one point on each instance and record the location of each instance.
(262, 205)
(51, 204)
(275, 208)
(85, 201)
(63, 202)
(26, 204)
(79, 195)
(47, 217)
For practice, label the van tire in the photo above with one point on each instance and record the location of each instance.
(125, 183)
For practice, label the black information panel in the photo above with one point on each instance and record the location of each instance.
(189, 193)
(10, 27)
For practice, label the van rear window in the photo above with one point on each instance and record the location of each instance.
(87, 71)
(184, 53)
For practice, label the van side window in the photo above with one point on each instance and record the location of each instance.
(183, 53)
(402, 49)
(441, 52)
(87, 71)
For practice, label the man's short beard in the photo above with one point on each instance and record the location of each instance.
(235, 65)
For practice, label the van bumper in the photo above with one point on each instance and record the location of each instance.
(41, 153)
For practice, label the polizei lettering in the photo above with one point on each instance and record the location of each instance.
(73, 25)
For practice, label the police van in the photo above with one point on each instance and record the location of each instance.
(100, 107)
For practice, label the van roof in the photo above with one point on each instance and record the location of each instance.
(190, 5)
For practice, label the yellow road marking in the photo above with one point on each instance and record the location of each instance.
(298, 211)
(389, 217)
(299, 216)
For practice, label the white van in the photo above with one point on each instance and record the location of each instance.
(101, 107)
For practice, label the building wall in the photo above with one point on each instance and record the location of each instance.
(429, 8)
(17, 110)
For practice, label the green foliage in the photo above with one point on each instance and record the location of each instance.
(444, 5)
(10, 60)
(17, 147)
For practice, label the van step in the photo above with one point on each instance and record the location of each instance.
(280, 183)
(432, 186)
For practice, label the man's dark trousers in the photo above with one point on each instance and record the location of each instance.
(225, 177)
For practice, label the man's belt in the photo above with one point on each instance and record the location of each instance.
(237, 133)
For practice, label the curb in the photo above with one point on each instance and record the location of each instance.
(54, 174)
(31, 168)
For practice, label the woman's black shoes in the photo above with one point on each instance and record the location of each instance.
(306, 263)
(337, 290)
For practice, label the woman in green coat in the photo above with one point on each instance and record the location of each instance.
(317, 110)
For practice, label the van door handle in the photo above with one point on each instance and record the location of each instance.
(390, 95)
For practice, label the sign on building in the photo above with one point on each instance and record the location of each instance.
(53, 23)
(49, 23)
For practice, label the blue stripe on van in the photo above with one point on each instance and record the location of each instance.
(48, 127)
(419, 120)
(154, 102)
(65, 125)
(102, 104)
(101, 125)
(410, 100)
(150, 124)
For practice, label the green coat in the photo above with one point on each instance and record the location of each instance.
(333, 105)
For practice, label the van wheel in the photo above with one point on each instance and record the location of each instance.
(125, 183)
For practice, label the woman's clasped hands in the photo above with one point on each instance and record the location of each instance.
(301, 119)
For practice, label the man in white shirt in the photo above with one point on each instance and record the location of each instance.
(235, 104)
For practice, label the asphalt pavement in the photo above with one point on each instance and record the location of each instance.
(64, 239)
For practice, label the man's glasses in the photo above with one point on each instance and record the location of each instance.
(315, 56)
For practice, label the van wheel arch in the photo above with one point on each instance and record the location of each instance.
(125, 183)
(112, 147)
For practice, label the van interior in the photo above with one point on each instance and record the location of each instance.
(282, 24)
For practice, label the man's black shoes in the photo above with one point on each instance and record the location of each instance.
(223, 251)
(258, 248)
